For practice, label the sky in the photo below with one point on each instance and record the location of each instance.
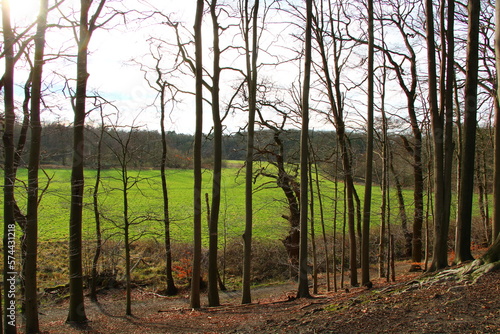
(114, 55)
(116, 51)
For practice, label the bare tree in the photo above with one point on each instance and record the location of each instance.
(249, 24)
(303, 289)
(196, 272)
(124, 154)
(496, 177)
(9, 314)
(166, 93)
(31, 233)
(442, 122)
(464, 222)
(97, 213)
(365, 244)
(213, 292)
(284, 175)
(86, 28)
(402, 19)
(331, 45)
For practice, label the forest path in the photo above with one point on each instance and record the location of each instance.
(403, 307)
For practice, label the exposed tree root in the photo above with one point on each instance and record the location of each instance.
(467, 274)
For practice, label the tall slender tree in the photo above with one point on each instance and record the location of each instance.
(365, 245)
(331, 79)
(249, 24)
(213, 292)
(162, 88)
(87, 27)
(441, 122)
(97, 212)
(496, 176)
(196, 272)
(31, 232)
(401, 19)
(9, 314)
(464, 225)
(303, 289)
(166, 93)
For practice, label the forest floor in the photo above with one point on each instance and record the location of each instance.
(404, 306)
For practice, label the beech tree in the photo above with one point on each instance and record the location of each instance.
(213, 294)
(283, 173)
(97, 213)
(86, 29)
(464, 222)
(332, 47)
(9, 175)
(31, 232)
(402, 19)
(496, 176)
(303, 289)
(249, 29)
(123, 151)
(442, 123)
(166, 93)
(196, 272)
(365, 245)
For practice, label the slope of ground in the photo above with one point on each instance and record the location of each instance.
(404, 307)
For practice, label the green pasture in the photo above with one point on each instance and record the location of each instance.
(145, 204)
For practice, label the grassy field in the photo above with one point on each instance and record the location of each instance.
(146, 200)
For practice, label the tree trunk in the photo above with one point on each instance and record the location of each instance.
(442, 133)
(385, 205)
(365, 244)
(213, 292)
(76, 312)
(493, 253)
(9, 316)
(31, 232)
(482, 183)
(303, 289)
(126, 226)
(335, 98)
(97, 215)
(251, 64)
(171, 289)
(464, 223)
(415, 250)
(322, 217)
(496, 177)
(402, 212)
(196, 272)
(312, 223)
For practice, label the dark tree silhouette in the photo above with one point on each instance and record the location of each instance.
(303, 289)
(196, 272)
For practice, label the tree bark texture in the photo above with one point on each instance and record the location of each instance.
(251, 77)
(196, 272)
(464, 223)
(9, 176)
(31, 232)
(303, 289)
(365, 244)
(213, 292)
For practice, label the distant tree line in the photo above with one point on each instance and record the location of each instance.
(57, 152)
(146, 145)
